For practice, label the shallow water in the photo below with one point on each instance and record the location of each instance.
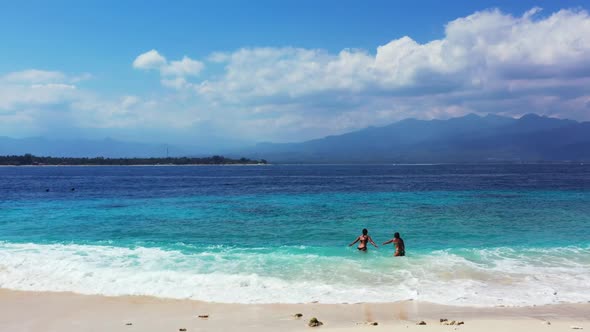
(475, 234)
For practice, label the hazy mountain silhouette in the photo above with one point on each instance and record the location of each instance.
(470, 138)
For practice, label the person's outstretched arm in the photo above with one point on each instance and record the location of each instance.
(355, 241)
(373, 243)
(387, 242)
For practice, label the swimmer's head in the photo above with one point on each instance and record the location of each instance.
(396, 235)
(365, 231)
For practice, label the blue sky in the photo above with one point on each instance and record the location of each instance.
(282, 70)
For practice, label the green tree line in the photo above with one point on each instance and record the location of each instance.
(29, 159)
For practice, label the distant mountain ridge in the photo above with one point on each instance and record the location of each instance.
(471, 138)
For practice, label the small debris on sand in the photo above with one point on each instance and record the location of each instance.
(204, 316)
(373, 323)
(313, 322)
(128, 324)
(298, 315)
(182, 330)
(421, 323)
(546, 322)
(577, 328)
(452, 322)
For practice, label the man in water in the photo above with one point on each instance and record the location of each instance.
(363, 241)
(400, 247)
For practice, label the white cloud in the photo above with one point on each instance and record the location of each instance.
(483, 47)
(184, 67)
(486, 62)
(149, 60)
(174, 83)
(173, 73)
(55, 86)
(130, 101)
(36, 88)
(36, 76)
(37, 102)
(33, 100)
(485, 59)
(33, 76)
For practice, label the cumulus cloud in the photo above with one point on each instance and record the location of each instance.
(486, 47)
(32, 100)
(173, 72)
(33, 76)
(487, 62)
(174, 83)
(36, 76)
(184, 67)
(149, 60)
(38, 102)
(36, 88)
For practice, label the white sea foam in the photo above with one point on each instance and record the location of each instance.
(465, 277)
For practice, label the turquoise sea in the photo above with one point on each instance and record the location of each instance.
(479, 235)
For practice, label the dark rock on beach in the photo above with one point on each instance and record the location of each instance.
(314, 322)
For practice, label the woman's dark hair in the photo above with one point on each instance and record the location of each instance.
(365, 231)
(396, 235)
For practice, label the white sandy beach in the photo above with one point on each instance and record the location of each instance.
(68, 312)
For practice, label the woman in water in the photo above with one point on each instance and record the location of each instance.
(400, 247)
(363, 239)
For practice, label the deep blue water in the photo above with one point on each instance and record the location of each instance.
(475, 234)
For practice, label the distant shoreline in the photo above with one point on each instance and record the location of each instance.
(133, 165)
(31, 160)
(573, 163)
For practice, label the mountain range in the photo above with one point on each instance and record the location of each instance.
(471, 138)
